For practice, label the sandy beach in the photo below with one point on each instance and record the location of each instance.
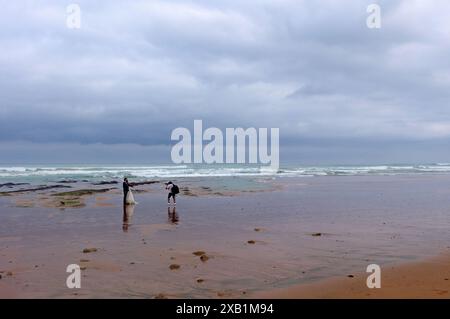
(417, 280)
(236, 237)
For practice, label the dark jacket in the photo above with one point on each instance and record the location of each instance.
(126, 187)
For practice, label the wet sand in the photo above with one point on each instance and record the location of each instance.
(428, 279)
(223, 241)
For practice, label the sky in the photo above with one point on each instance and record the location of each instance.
(115, 88)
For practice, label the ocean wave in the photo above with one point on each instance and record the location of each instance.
(172, 171)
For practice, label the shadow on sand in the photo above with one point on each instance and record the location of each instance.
(173, 216)
(128, 212)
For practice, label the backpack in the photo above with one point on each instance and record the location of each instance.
(175, 189)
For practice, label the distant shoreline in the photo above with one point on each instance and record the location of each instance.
(99, 173)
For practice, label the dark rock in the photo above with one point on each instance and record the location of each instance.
(106, 183)
(144, 183)
(89, 250)
(13, 184)
(71, 203)
(39, 188)
(198, 253)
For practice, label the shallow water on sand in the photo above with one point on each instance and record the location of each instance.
(254, 240)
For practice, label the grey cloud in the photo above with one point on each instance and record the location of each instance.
(134, 72)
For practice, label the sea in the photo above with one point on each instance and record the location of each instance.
(92, 173)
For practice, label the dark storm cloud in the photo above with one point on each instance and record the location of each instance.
(135, 71)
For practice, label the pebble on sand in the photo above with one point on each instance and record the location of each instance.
(204, 258)
(89, 250)
(174, 267)
(198, 253)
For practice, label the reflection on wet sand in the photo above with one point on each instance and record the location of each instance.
(173, 216)
(128, 211)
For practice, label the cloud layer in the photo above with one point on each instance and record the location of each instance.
(135, 71)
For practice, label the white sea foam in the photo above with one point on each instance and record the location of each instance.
(79, 172)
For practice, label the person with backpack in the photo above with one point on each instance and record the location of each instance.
(173, 190)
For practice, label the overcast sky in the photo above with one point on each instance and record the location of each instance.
(114, 89)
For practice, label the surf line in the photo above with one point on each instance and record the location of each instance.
(234, 150)
(186, 309)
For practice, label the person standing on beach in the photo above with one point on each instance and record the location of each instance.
(173, 190)
(126, 189)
